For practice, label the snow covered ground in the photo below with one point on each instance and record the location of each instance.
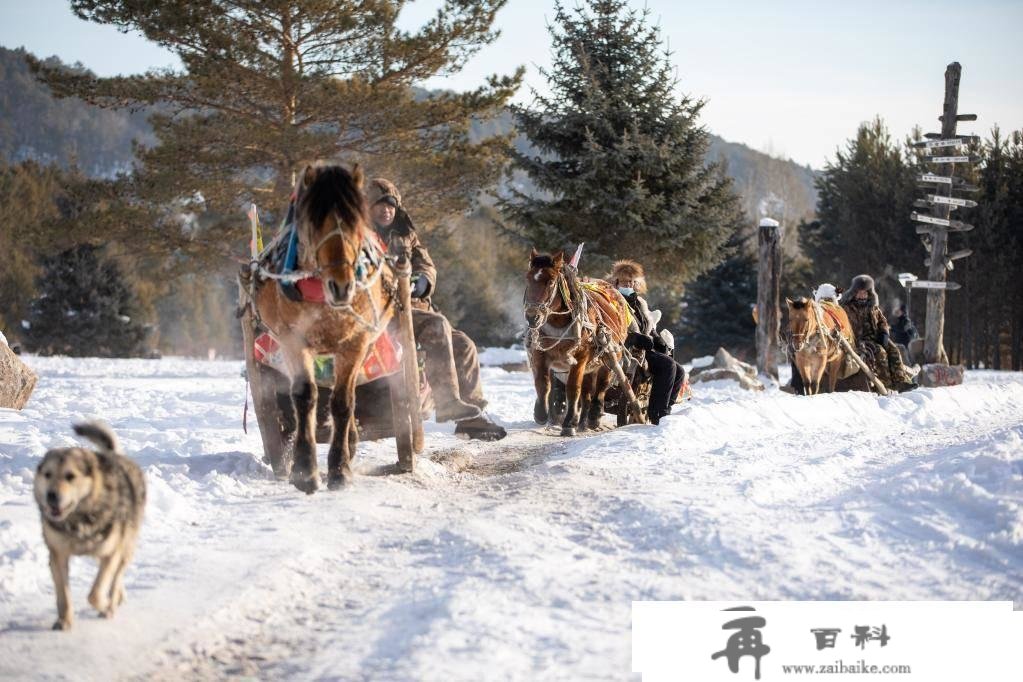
(514, 560)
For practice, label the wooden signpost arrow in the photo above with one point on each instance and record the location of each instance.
(950, 159)
(926, 284)
(951, 201)
(948, 225)
(934, 141)
(954, 256)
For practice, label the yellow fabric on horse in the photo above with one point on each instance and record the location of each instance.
(614, 310)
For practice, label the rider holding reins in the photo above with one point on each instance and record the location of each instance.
(452, 363)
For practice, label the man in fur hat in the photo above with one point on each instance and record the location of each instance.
(668, 376)
(873, 336)
(451, 361)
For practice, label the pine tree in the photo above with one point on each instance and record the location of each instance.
(718, 308)
(865, 198)
(84, 307)
(268, 86)
(618, 156)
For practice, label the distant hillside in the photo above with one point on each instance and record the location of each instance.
(35, 125)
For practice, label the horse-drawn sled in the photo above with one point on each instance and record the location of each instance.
(333, 336)
(575, 336)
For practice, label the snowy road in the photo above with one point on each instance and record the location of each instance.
(515, 560)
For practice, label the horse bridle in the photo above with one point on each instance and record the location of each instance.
(338, 231)
(360, 282)
(815, 319)
(543, 310)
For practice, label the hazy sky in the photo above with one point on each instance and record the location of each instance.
(791, 77)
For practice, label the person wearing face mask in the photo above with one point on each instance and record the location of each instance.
(873, 336)
(667, 375)
(451, 361)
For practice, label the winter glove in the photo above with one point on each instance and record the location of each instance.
(641, 341)
(884, 339)
(420, 285)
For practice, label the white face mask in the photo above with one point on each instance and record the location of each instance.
(626, 291)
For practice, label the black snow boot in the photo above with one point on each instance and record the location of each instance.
(480, 428)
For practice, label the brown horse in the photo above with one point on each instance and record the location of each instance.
(571, 329)
(337, 247)
(817, 352)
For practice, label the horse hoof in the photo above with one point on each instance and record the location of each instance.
(568, 431)
(308, 484)
(338, 481)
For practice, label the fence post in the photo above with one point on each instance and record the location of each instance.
(768, 296)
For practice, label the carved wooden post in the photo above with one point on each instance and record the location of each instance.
(768, 296)
(404, 385)
(934, 350)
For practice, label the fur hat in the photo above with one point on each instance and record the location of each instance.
(861, 283)
(629, 270)
(381, 188)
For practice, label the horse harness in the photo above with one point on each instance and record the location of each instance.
(368, 268)
(543, 331)
(818, 338)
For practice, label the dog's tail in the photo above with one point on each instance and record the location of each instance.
(100, 434)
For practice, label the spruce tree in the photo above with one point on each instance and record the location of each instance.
(617, 156)
(269, 86)
(84, 307)
(863, 224)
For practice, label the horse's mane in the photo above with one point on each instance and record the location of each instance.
(334, 191)
(541, 261)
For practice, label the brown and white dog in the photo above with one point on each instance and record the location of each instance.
(91, 504)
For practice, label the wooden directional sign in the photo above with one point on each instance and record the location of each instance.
(936, 144)
(948, 225)
(964, 139)
(955, 255)
(939, 179)
(951, 201)
(924, 203)
(950, 159)
(925, 284)
(961, 117)
(956, 226)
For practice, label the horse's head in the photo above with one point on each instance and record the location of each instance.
(801, 322)
(541, 286)
(332, 223)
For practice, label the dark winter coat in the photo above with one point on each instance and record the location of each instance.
(403, 233)
(903, 330)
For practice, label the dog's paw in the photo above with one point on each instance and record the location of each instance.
(62, 624)
(98, 602)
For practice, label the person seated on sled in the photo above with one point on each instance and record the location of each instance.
(903, 330)
(873, 336)
(668, 376)
(452, 363)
